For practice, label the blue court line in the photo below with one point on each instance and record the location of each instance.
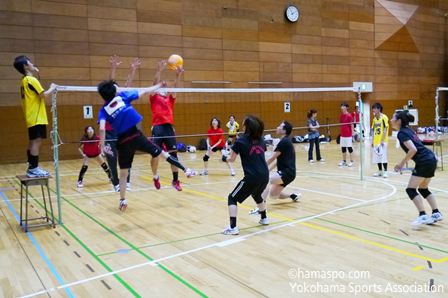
(58, 277)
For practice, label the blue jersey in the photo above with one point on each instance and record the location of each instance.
(119, 112)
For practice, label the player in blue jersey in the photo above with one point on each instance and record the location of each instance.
(123, 118)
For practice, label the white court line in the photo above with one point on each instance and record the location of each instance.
(221, 243)
(326, 193)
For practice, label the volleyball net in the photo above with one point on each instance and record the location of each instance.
(76, 107)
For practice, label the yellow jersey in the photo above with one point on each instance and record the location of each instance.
(233, 129)
(32, 104)
(379, 125)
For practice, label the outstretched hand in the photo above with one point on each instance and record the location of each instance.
(108, 150)
(161, 66)
(114, 61)
(136, 63)
(179, 70)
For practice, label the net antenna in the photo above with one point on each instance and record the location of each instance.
(358, 87)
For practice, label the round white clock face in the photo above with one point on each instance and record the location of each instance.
(292, 13)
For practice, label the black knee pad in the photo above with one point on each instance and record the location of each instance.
(229, 143)
(344, 149)
(104, 166)
(173, 154)
(412, 193)
(424, 192)
(350, 149)
(206, 158)
(231, 201)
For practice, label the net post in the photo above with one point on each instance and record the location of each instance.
(437, 113)
(56, 152)
(361, 137)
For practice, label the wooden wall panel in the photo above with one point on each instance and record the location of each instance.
(334, 43)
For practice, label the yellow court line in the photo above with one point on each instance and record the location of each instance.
(418, 268)
(325, 229)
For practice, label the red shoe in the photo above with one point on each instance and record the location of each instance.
(123, 204)
(176, 185)
(157, 182)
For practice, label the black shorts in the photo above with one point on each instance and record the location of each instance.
(425, 169)
(232, 137)
(161, 131)
(217, 149)
(287, 178)
(92, 156)
(243, 190)
(131, 141)
(37, 132)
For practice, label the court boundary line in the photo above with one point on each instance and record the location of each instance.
(220, 243)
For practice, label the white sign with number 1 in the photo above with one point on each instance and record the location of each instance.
(88, 112)
(287, 107)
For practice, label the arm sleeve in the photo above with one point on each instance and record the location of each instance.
(386, 121)
(35, 85)
(237, 147)
(101, 116)
(129, 95)
(403, 137)
(280, 146)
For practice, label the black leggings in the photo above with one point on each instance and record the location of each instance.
(310, 150)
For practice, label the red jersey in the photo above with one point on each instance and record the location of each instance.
(346, 130)
(91, 148)
(162, 109)
(215, 135)
(355, 117)
(108, 127)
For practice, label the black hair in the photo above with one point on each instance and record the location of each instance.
(107, 90)
(405, 118)
(287, 127)
(217, 119)
(254, 127)
(378, 106)
(311, 112)
(344, 104)
(231, 117)
(20, 62)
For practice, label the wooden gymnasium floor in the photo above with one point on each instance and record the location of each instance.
(168, 243)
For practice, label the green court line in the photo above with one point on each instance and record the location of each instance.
(133, 247)
(130, 289)
(382, 235)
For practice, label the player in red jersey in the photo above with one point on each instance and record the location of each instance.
(346, 135)
(162, 105)
(89, 148)
(215, 142)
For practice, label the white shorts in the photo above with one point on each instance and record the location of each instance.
(346, 142)
(376, 158)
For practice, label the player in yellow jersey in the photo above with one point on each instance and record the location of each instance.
(234, 129)
(380, 131)
(33, 105)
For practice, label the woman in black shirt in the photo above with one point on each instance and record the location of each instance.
(251, 148)
(425, 166)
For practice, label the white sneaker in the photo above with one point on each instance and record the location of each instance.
(232, 172)
(117, 188)
(423, 219)
(80, 184)
(123, 205)
(378, 174)
(45, 173)
(264, 221)
(321, 160)
(255, 211)
(204, 172)
(128, 186)
(385, 174)
(437, 216)
(311, 160)
(229, 231)
(342, 163)
(35, 173)
(190, 173)
(298, 196)
(350, 164)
